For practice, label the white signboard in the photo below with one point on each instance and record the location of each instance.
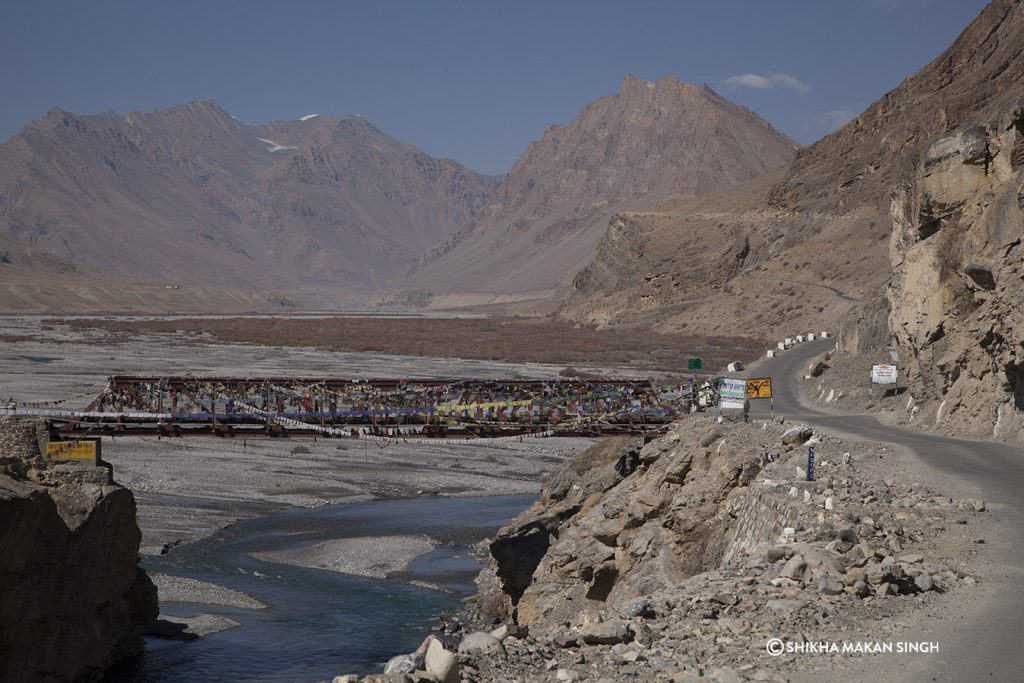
(733, 393)
(883, 374)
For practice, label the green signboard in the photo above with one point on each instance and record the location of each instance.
(694, 364)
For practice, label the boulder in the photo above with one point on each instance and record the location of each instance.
(480, 642)
(73, 596)
(564, 640)
(404, 664)
(604, 633)
(794, 436)
(440, 663)
(795, 569)
(830, 585)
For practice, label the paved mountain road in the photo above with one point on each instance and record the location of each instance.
(986, 643)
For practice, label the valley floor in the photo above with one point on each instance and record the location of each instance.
(187, 488)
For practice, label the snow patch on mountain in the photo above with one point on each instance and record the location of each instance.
(275, 147)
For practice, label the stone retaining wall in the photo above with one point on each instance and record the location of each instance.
(760, 518)
(19, 438)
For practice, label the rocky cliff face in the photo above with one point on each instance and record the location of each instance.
(729, 264)
(73, 599)
(599, 539)
(957, 281)
(647, 144)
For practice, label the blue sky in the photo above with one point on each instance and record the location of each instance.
(474, 81)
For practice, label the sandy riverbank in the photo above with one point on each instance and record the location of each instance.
(181, 589)
(371, 556)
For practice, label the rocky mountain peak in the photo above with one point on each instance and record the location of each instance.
(52, 119)
(635, 83)
(650, 142)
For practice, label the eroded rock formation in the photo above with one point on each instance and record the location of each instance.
(73, 599)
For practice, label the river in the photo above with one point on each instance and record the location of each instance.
(320, 623)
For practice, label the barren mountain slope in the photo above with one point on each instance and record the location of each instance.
(729, 264)
(647, 144)
(764, 256)
(355, 207)
(192, 195)
(862, 161)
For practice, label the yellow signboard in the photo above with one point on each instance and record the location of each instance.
(73, 450)
(759, 387)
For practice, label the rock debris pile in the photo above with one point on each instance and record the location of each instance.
(711, 544)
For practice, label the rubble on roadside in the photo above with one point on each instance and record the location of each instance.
(672, 571)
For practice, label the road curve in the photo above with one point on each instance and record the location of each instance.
(989, 647)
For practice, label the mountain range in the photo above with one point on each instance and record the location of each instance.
(191, 194)
(325, 211)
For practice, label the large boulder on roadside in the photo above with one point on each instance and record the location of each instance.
(480, 642)
(73, 598)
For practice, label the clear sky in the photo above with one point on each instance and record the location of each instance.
(475, 81)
